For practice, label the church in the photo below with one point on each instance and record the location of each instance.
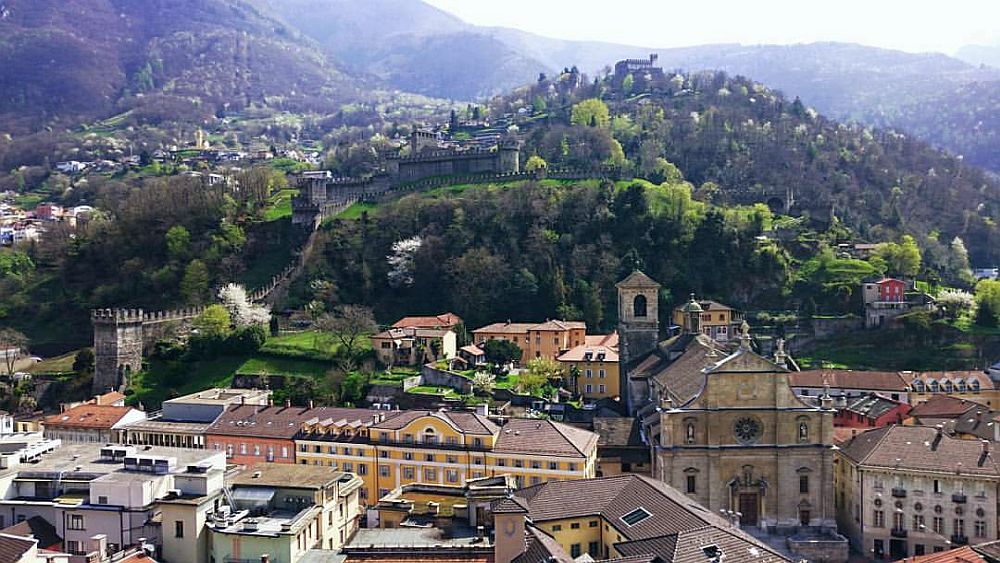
(723, 424)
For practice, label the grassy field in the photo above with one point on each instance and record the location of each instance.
(57, 365)
(886, 350)
(271, 365)
(308, 344)
(167, 379)
(355, 211)
(280, 205)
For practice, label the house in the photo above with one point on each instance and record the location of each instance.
(99, 424)
(620, 448)
(414, 346)
(849, 384)
(914, 490)
(718, 321)
(71, 167)
(472, 355)
(940, 409)
(445, 321)
(282, 512)
(546, 340)
(592, 367)
(974, 386)
(623, 518)
(871, 411)
(887, 298)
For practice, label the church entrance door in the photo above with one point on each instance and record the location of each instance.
(748, 508)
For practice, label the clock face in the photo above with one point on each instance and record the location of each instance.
(747, 430)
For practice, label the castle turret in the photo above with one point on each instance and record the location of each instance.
(117, 347)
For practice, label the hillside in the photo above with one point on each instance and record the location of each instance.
(980, 55)
(67, 59)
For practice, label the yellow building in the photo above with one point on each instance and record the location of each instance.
(973, 386)
(592, 368)
(446, 448)
(537, 340)
(718, 321)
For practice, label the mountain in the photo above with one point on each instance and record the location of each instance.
(62, 60)
(980, 55)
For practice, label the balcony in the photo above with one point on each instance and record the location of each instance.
(959, 498)
(959, 540)
(899, 492)
(898, 532)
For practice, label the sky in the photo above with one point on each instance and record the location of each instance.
(908, 25)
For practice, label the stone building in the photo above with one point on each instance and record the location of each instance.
(638, 326)
(914, 490)
(725, 428)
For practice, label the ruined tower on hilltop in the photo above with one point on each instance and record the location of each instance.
(117, 347)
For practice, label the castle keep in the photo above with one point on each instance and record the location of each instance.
(321, 194)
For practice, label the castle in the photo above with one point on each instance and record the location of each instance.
(322, 194)
(639, 69)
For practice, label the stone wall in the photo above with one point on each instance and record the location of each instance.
(832, 548)
(429, 375)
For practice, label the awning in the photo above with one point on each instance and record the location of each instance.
(254, 495)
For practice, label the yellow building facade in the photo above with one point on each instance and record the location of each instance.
(592, 369)
(447, 448)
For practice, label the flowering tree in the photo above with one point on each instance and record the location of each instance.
(242, 311)
(401, 261)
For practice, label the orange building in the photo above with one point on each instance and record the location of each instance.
(546, 340)
(254, 434)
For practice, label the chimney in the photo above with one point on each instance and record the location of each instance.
(243, 400)
(265, 558)
(986, 447)
(310, 404)
(288, 403)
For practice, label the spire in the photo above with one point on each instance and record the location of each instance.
(745, 339)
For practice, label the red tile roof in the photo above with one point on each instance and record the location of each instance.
(848, 379)
(598, 344)
(444, 320)
(944, 406)
(920, 448)
(531, 436)
(87, 415)
(963, 554)
(281, 422)
(466, 422)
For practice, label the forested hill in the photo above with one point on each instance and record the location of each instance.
(61, 60)
(731, 135)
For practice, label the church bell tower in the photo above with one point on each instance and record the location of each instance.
(638, 321)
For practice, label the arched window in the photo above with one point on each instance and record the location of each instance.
(639, 306)
(430, 437)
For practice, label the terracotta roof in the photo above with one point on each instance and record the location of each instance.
(595, 345)
(638, 279)
(544, 437)
(542, 548)
(444, 320)
(13, 548)
(982, 378)
(670, 513)
(919, 448)
(964, 554)
(944, 406)
(556, 326)
(411, 332)
(473, 350)
(990, 549)
(505, 328)
(280, 422)
(109, 398)
(978, 422)
(677, 364)
(466, 422)
(848, 379)
(296, 476)
(690, 545)
(87, 415)
(707, 305)
(35, 527)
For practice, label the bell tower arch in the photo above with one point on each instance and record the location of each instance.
(638, 322)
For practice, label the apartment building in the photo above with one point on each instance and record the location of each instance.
(445, 448)
(592, 368)
(90, 423)
(546, 340)
(184, 421)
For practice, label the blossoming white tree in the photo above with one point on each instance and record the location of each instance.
(242, 311)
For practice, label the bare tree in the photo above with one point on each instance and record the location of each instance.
(348, 324)
(12, 345)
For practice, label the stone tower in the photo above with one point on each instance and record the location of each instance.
(117, 347)
(510, 156)
(638, 320)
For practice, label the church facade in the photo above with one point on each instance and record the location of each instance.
(725, 428)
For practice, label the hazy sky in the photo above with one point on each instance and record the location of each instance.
(910, 25)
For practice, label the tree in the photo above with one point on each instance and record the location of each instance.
(243, 312)
(628, 84)
(348, 324)
(194, 284)
(12, 345)
(591, 111)
(550, 369)
(534, 163)
(501, 352)
(958, 262)
(83, 362)
(902, 258)
(988, 303)
(401, 261)
(955, 303)
(484, 382)
(213, 322)
(178, 242)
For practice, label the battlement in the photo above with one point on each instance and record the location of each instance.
(447, 154)
(174, 315)
(117, 316)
